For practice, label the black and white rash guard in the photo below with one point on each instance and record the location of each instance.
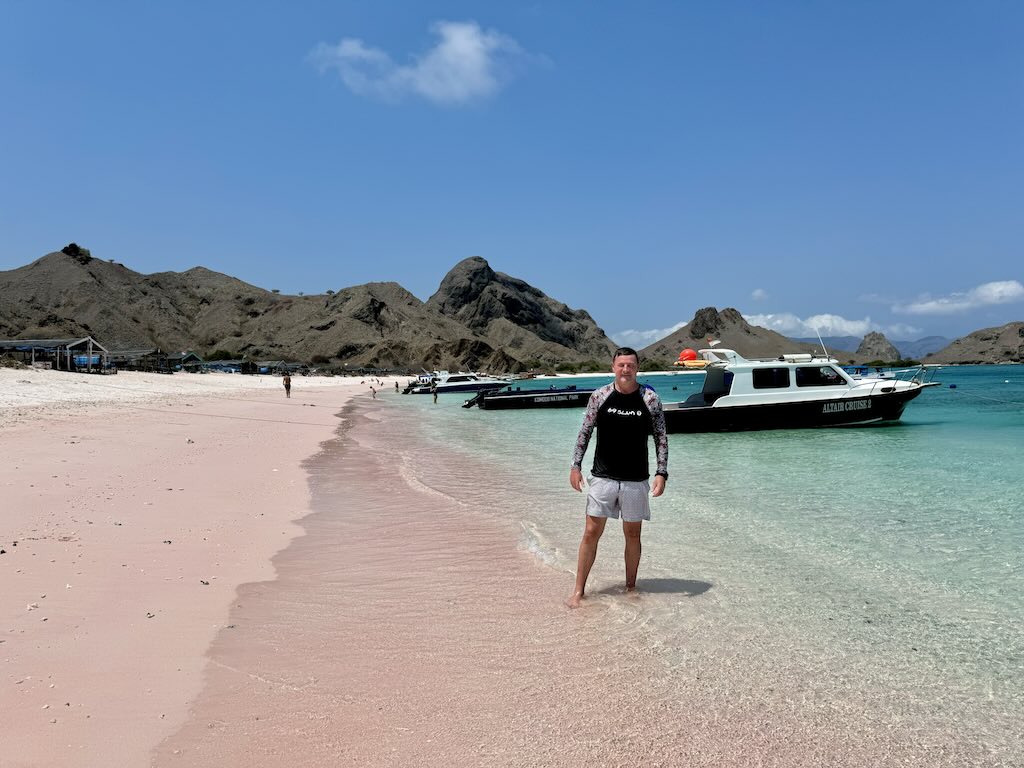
(623, 423)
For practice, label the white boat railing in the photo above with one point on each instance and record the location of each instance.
(920, 375)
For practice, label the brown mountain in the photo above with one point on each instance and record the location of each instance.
(477, 319)
(729, 327)
(874, 346)
(521, 319)
(1004, 344)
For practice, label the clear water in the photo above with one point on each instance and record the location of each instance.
(869, 575)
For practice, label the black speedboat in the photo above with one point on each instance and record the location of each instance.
(517, 397)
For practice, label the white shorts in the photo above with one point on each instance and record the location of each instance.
(610, 498)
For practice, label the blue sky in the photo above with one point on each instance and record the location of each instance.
(849, 165)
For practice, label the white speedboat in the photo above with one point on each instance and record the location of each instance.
(789, 392)
(460, 382)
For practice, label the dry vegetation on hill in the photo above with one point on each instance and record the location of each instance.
(477, 319)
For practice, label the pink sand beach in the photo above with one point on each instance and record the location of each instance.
(200, 572)
(133, 508)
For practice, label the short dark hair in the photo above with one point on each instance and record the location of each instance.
(626, 351)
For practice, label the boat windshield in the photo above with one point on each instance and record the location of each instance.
(717, 382)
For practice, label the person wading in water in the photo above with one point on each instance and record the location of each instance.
(624, 414)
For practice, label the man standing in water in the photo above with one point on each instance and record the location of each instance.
(625, 414)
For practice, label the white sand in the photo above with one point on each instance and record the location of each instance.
(30, 393)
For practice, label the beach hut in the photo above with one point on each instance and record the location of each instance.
(150, 359)
(186, 361)
(231, 366)
(85, 355)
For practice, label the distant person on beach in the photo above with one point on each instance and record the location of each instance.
(287, 381)
(624, 414)
(433, 391)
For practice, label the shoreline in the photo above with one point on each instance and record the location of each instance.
(423, 637)
(132, 515)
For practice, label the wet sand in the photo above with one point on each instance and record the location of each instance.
(401, 631)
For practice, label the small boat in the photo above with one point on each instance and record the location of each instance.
(790, 392)
(421, 384)
(515, 397)
(868, 372)
(457, 382)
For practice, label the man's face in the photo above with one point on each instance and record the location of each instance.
(624, 367)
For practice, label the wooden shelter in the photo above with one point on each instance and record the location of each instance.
(155, 360)
(85, 355)
(186, 361)
(231, 366)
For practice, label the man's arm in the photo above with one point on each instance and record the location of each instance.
(583, 438)
(660, 440)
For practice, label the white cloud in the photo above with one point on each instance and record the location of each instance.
(467, 63)
(759, 294)
(789, 324)
(985, 295)
(641, 339)
(902, 332)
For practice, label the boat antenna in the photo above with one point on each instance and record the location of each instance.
(823, 350)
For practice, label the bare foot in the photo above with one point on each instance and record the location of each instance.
(575, 600)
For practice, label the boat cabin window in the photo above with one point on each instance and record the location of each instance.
(771, 378)
(818, 376)
(453, 379)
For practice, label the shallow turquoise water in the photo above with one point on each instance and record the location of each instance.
(874, 572)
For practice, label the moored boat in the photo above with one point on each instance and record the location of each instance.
(445, 382)
(513, 397)
(790, 392)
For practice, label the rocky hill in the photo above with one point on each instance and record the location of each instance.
(729, 327)
(908, 350)
(1004, 344)
(478, 319)
(875, 347)
(991, 345)
(521, 319)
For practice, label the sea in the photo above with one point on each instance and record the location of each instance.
(868, 576)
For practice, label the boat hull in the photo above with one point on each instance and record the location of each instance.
(495, 401)
(880, 408)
